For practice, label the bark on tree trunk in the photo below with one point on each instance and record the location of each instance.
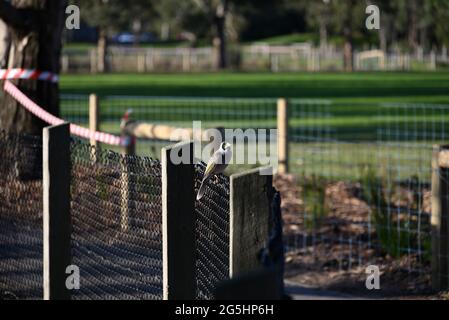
(220, 23)
(412, 26)
(347, 33)
(323, 34)
(165, 31)
(5, 42)
(102, 65)
(383, 39)
(36, 30)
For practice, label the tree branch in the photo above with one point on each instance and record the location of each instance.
(18, 18)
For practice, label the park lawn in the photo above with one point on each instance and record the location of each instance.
(355, 111)
(356, 116)
(412, 87)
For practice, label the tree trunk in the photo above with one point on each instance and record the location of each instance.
(412, 25)
(165, 31)
(5, 44)
(323, 34)
(36, 31)
(347, 33)
(383, 39)
(220, 41)
(102, 47)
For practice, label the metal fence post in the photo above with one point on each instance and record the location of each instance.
(56, 213)
(178, 222)
(282, 124)
(250, 222)
(440, 218)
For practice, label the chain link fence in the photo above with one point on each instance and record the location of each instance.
(212, 233)
(362, 170)
(117, 224)
(359, 193)
(116, 211)
(21, 248)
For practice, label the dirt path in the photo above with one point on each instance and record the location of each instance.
(300, 292)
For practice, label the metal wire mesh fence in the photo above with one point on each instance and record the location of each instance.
(20, 216)
(75, 108)
(179, 112)
(212, 234)
(361, 188)
(117, 224)
(116, 213)
(365, 192)
(356, 163)
(403, 213)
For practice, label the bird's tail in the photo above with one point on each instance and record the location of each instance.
(201, 191)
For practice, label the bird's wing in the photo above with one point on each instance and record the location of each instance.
(212, 164)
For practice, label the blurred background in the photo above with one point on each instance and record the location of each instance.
(265, 35)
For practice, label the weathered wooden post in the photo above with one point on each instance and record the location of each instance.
(93, 124)
(141, 62)
(440, 218)
(178, 222)
(433, 61)
(282, 125)
(56, 213)
(93, 117)
(250, 219)
(251, 224)
(262, 284)
(128, 149)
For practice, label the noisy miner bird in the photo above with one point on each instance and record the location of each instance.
(126, 119)
(217, 164)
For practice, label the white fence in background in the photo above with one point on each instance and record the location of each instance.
(294, 58)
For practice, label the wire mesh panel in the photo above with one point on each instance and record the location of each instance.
(403, 215)
(329, 156)
(21, 250)
(74, 108)
(117, 224)
(179, 112)
(364, 182)
(212, 233)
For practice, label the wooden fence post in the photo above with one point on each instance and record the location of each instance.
(178, 223)
(93, 117)
(56, 213)
(128, 149)
(262, 284)
(440, 217)
(250, 222)
(282, 119)
(93, 123)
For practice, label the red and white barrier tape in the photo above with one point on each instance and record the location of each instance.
(28, 74)
(32, 107)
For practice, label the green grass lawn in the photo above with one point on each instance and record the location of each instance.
(355, 113)
(353, 100)
(358, 87)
